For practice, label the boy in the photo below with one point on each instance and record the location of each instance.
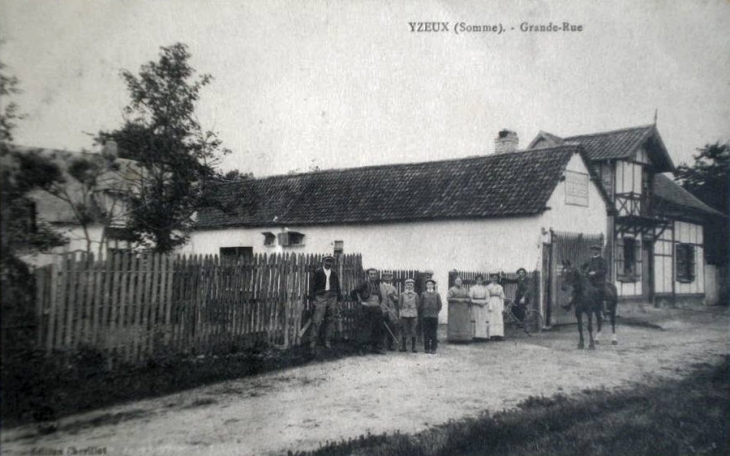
(430, 308)
(408, 305)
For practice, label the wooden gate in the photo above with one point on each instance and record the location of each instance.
(574, 247)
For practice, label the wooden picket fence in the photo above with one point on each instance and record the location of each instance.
(136, 307)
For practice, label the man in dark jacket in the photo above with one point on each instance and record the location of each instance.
(325, 294)
(368, 294)
(597, 269)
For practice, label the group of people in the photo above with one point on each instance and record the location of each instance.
(386, 317)
(487, 303)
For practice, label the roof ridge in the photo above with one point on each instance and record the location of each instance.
(620, 130)
(430, 162)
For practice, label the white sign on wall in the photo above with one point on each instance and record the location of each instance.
(576, 188)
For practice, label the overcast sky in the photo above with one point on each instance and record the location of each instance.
(342, 84)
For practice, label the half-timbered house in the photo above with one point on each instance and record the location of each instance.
(655, 243)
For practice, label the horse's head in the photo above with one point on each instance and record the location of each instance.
(571, 276)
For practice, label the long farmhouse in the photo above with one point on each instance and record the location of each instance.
(496, 212)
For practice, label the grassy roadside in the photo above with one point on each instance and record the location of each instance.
(43, 389)
(681, 417)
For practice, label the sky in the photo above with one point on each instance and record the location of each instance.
(335, 84)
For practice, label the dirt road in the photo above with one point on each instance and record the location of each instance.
(303, 407)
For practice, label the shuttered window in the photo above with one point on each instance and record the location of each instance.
(685, 262)
(269, 239)
(291, 238)
(628, 259)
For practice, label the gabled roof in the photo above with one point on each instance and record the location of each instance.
(616, 144)
(505, 185)
(545, 139)
(672, 197)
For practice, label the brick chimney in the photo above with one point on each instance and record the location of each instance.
(506, 141)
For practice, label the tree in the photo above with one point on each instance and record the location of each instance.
(20, 234)
(235, 176)
(709, 180)
(176, 155)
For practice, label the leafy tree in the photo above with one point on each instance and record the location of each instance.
(20, 234)
(176, 155)
(235, 176)
(709, 180)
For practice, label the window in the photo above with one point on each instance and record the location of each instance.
(269, 239)
(291, 238)
(685, 262)
(119, 239)
(628, 259)
(339, 247)
(576, 188)
(629, 255)
(234, 253)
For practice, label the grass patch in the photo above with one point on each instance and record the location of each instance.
(690, 416)
(45, 389)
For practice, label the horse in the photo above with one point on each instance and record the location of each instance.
(586, 299)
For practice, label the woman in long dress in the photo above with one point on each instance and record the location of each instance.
(479, 313)
(459, 313)
(495, 307)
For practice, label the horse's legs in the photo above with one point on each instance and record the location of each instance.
(589, 314)
(599, 323)
(579, 317)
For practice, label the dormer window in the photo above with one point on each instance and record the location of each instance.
(269, 239)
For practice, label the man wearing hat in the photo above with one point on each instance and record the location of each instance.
(597, 268)
(389, 307)
(523, 295)
(325, 294)
(371, 317)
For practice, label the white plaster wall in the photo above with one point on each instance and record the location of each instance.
(663, 265)
(572, 218)
(441, 246)
(712, 285)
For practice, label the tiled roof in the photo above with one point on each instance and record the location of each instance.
(666, 190)
(613, 144)
(510, 184)
(619, 144)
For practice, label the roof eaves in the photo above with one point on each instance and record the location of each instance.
(360, 222)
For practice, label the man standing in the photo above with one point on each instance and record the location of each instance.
(369, 296)
(324, 293)
(523, 295)
(389, 307)
(597, 269)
